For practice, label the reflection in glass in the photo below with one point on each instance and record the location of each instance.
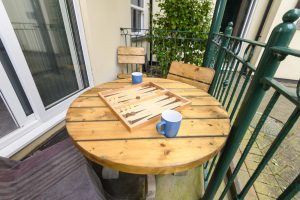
(46, 37)
(7, 123)
(14, 80)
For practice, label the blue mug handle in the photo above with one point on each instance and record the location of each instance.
(159, 129)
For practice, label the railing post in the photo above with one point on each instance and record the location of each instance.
(221, 56)
(281, 36)
(214, 28)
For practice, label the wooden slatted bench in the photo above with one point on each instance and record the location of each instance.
(200, 77)
(130, 55)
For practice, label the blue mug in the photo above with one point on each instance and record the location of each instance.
(169, 124)
(137, 77)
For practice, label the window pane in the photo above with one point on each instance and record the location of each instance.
(139, 3)
(48, 44)
(7, 123)
(10, 71)
(136, 22)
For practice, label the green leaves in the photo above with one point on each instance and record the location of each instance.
(180, 31)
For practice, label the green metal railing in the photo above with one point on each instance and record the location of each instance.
(164, 46)
(240, 87)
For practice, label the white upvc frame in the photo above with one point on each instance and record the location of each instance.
(9, 95)
(43, 119)
(142, 9)
(74, 56)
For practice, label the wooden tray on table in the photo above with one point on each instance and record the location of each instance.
(140, 104)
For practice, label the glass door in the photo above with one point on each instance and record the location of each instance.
(44, 32)
(43, 58)
(12, 113)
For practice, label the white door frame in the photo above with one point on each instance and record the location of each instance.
(10, 96)
(72, 47)
(43, 119)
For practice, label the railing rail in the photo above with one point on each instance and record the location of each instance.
(163, 46)
(228, 64)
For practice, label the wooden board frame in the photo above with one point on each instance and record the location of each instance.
(141, 104)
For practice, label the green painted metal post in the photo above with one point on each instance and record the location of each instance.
(214, 28)
(281, 36)
(291, 190)
(221, 57)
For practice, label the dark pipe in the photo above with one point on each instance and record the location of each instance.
(150, 26)
(263, 21)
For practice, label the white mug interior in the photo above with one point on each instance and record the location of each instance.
(136, 74)
(171, 116)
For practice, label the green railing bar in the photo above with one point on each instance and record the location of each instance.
(248, 64)
(219, 87)
(159, 29)
(261, 44)
(210, 168)
(241, 93)
(276, 143)
(252, 139)
(216, 43)
(291, 190)
(226, 79)
(220, 58)
(235, 86)
(231, 81)
(222, 77)
(281, 35)
(286, 51)
(287, 93)
(215, 28)
(206, 164)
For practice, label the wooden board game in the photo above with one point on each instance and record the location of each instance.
(140, 104)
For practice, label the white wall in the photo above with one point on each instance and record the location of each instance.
(102, 20)
(289, 68)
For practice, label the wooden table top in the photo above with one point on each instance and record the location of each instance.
(102, 138)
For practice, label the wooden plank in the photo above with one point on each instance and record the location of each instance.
(189, 92)
(197, 84)
(175, 85)
(107, 130)
(90, 114)
(104, 113)
(194, 72)
(146, 79)
(159, 156)
(204, 112)
(204, 101)
(127, 76)
(83, 101)
(131, 51)
(167, 85)
(96, 101)
(124, 59)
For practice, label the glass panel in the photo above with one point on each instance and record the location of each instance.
(7, 123)
(139, 3)
(77, 42)
(136, 22)
(48, 45)
(10, 71)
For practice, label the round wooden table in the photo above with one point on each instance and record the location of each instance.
(102, 138)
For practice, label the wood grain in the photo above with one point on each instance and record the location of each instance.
(197, 84)
(106, 130)
(192, 72)
(124, 59)
(131, 51)
(152, 156)
(101, 137)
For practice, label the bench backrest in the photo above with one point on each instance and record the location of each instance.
(200, 77)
